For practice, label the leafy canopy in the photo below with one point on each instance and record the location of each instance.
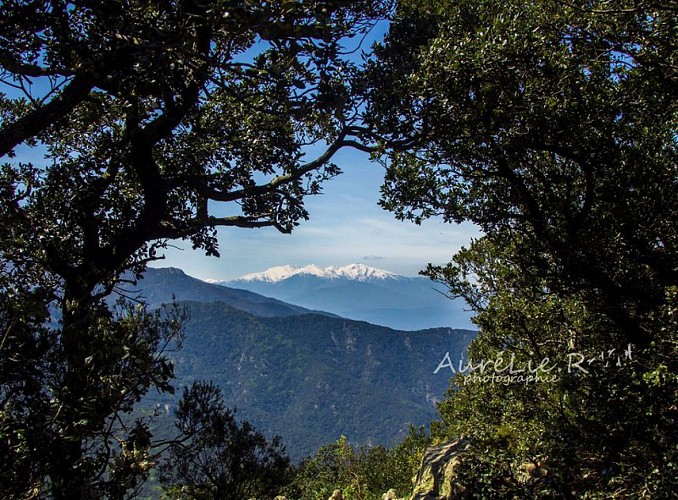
(362, 473)
(552, 126)
(215, 457)
(550, 122)
(157, 121)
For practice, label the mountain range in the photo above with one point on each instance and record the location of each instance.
(362, 293)
(305, 375)
(355, 272)
(162, 286)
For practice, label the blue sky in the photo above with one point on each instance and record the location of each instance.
(346, 226)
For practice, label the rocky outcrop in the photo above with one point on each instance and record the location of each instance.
(390, 495)
(436, 477)
(532, 473)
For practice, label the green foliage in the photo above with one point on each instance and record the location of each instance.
(214, 457)
(606, 431)
(23, 342)
(127, 348)
(365, 473)
(146, 115)
(550, 122)
(552, 126)
(333, 467)
(404, 459)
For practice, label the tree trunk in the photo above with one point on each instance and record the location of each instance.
(71, 477)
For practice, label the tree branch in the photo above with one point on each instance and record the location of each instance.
(10, 64)
(39, 119)
(281, 180)
(250, 222)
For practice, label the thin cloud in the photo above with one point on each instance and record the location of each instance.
(374, 257)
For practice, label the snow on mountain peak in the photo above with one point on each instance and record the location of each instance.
(357, 272)
(360, 272)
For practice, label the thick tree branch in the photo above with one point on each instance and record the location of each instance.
(9, 63)
(247, 222)
(281, 180)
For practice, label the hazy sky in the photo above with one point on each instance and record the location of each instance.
(346, 226)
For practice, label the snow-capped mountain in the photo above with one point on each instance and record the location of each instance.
(357, 272)
(360, 292)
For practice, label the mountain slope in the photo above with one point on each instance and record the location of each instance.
(312, 378)
(309, 377)
(362, 293)
(161, 286)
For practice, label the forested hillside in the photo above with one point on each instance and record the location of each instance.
(312, 378)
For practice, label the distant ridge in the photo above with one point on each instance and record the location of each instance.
(360, 292)
(312, 378)
(162, 285)
(357, 272)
